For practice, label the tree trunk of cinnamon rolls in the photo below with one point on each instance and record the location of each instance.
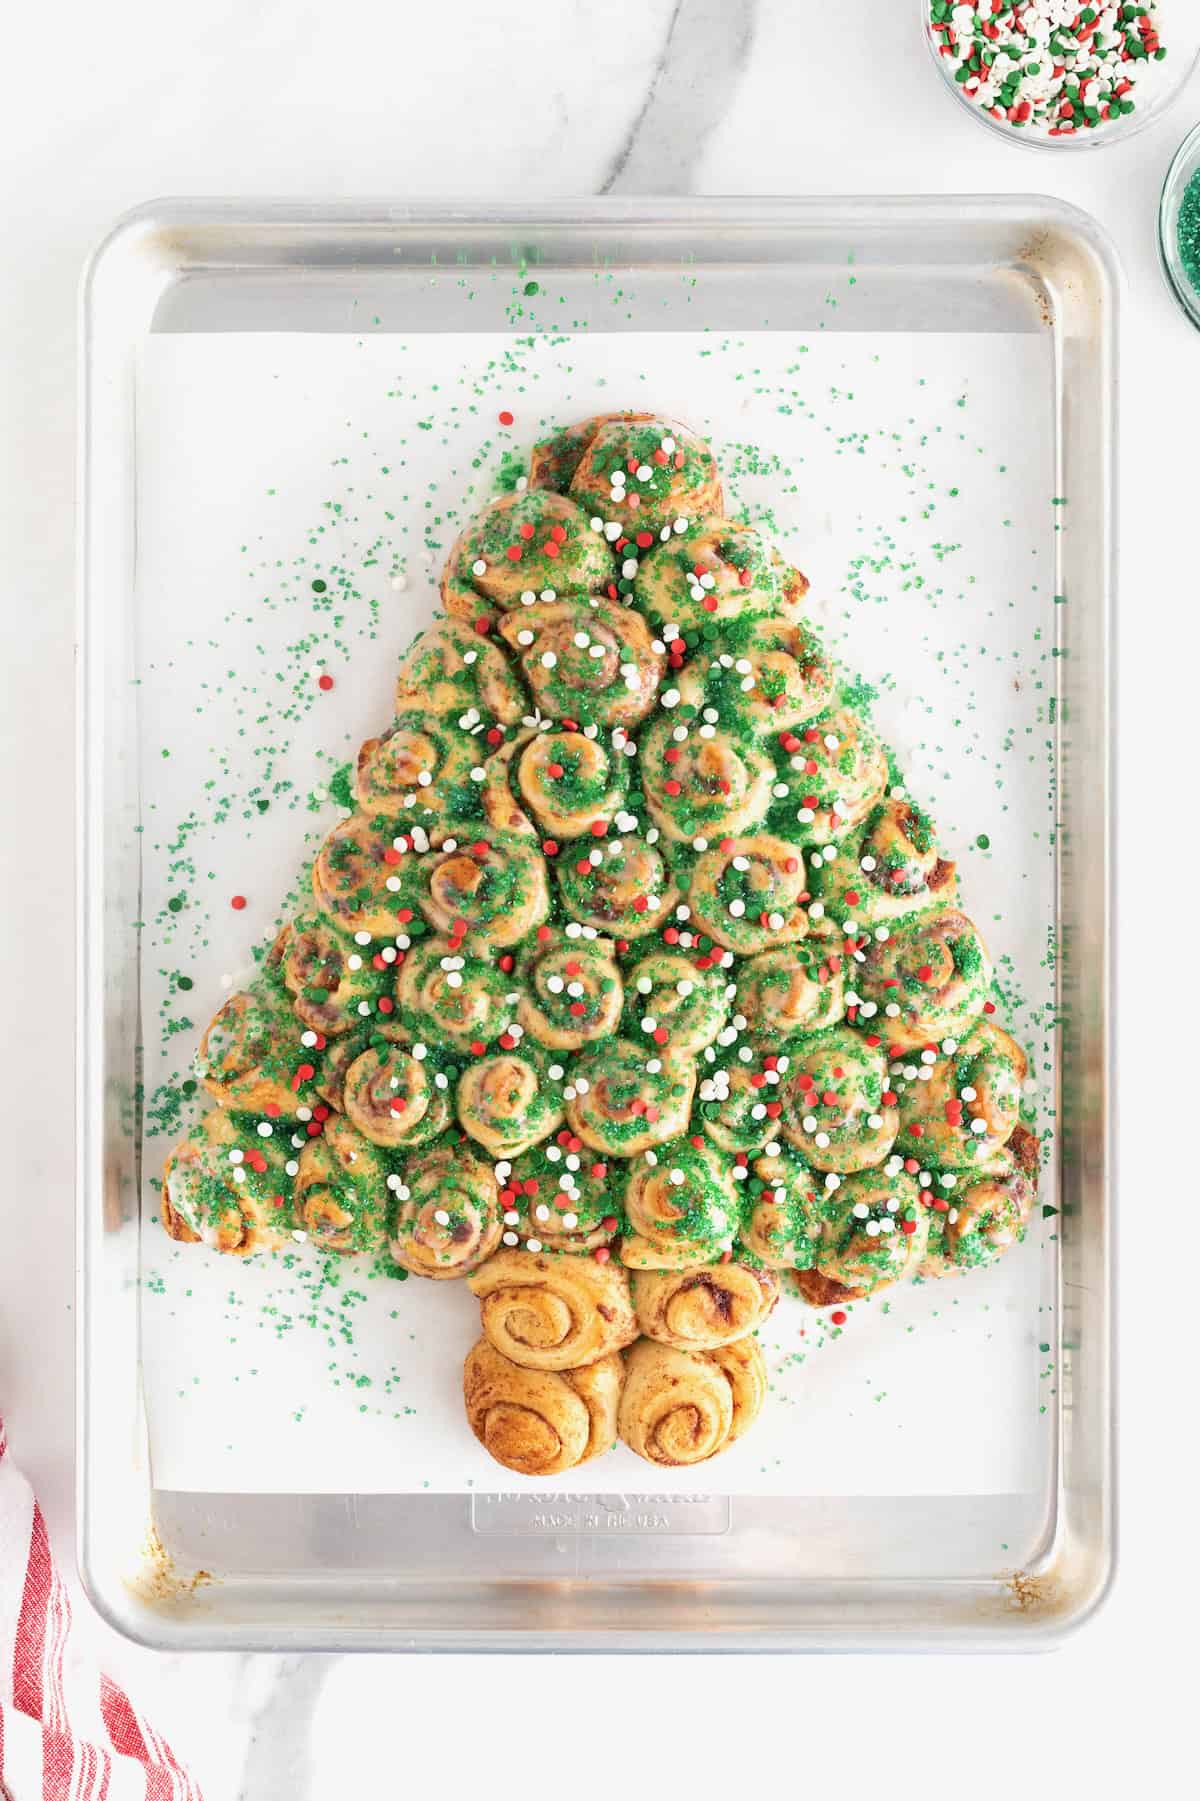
(628, 991)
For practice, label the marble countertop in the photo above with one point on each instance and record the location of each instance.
(108, 107)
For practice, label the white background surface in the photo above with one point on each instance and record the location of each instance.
(104, 107)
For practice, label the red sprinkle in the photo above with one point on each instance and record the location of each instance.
(838, 1318)
(238, 902)
(505, 418)
(325, 681)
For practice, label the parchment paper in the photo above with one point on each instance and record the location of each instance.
(911, 477)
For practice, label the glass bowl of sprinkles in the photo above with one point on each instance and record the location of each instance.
(1059, 75)
(1179, 226)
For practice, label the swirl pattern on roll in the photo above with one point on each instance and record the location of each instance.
(446, 997)
(250, 1057)
(587, 663)
(929, 979)
(624, 888)
(682, 1209)
(673, 1001)
(506, 1103)
(572, 993)
(976, 1218)
(570, 783)
(838, 1110)
(749, 893)
(518, 547)
(892, 869)
(717, 571)
(446, 1211)
(636, 469)
(967, 1106)
(417, 770)
(552, 1312)
(340, 1196)
(835, 770)
(394, 1098)
(451, 669)
(683, 1407)
(495, 893)
(702, 781)
(699, 1309)
(561, 1197)
(772, 676)
(874, 1232)
(328, 976)
(785, 994)
(226, 1188)
(360, 879)
(623, 1100)
(541, 1422)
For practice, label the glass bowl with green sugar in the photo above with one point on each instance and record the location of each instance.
(1061, 75)
(1179, 226)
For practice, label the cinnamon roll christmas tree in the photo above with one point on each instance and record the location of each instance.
(632, 989)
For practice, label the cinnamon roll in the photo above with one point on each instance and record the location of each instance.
(395, 1098)
(782, 1222)
(251, 1058)
(419, 769)
(507, 1102)
(518, 547)
(446, 1211)
(671, 1000)
(451, 669)
(571, 783)
(635, 469)
(770, 676)
(929, 979)
(892, 869)
(361, 880)
(786, 993)
(874, 1231)
(485, 893)
(589, 662)
(699, 1309)
(553, 1313)
(341, 1193)
(559, 1198)
(750, 893)
(703, 781)
(334, 984)
(681, 1210)
(227, 1186)
(446, 997)
(838, 1110)
(502, 809)
(571, 993)
(540, 1422)
(975, 1218)
(718, 571)
(970, 1104)
(683, 1407)
(835, 770)
(623, 1100)
(621, 885)
(739, 1105)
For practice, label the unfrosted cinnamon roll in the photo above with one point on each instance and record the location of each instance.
(674, 1002)
(446, 997)
(341, 1193)
(451, 669)
(682, 1209)
(571, 783)
(750, 893)
(782, 1220)
(770, 676)
(835, 770)
(488, 893)
(251, 1058)
(540, 1422)
(419, 768)
(699, 1309)
(519, 546)
(740, 1105)
(717, 571)
(227, 1186)
(785, 993)
(571, 993)
(929, 979)
(892, 869)
(361, 880)
(636, 469)
(969, 1106)
(446, 1218)
(560, 1198)
(874, 1231)
(395, 1099)
(683, 1407)
(976, 1218)
(702, 780)
(624, 1099)
(837, 1108)
(507, 1102)
(553, 1313)
(622, 886)
(333, 982)
(592, 663)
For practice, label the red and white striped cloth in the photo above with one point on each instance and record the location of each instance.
(64, 1735)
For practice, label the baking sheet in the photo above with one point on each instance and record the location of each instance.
(912, 478)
